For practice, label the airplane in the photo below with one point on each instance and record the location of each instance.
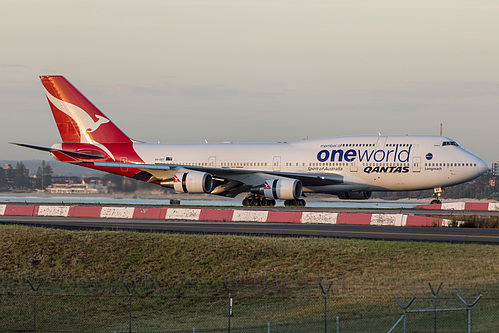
(350, 167)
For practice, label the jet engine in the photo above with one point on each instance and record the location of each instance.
(360, 195)
(287, 189)
(190, 182)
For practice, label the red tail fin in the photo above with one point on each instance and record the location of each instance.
(77, 119)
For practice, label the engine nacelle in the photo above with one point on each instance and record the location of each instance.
(360, 195)
(286, 189)
(192, 182)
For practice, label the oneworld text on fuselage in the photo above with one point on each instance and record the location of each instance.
(390, 155)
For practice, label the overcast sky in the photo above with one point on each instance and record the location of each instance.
(264, 71)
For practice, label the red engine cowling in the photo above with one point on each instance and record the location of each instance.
(192, 182)
(286, 189)
(360, 195)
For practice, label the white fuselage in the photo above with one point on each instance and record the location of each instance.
(367, 163)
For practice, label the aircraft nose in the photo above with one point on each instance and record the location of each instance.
(482, 166)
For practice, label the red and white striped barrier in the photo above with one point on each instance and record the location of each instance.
(481, 206)
(228, 215)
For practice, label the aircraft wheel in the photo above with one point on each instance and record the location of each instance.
(246, 202)
(302, 202)
(435, 201)
(254, 202)
(287, 203)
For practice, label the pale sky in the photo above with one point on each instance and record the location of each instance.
(263, 71)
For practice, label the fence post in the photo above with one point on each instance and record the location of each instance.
(435, 295)
(325, 303)
(469, 309)
(35, 290)
(130, 303)
(230, 305)
(404, 315)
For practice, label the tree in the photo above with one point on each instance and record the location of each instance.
(44, 176)
(3, 179)
(21, 176)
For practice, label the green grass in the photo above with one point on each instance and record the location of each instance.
(51, 251)
(276, 281)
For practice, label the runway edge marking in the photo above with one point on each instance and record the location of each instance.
(224, 215)
(476, 206)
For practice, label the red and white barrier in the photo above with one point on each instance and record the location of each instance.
(250, 215)
(222, 215)
(479, 206)
(183, 214)
(319, 217)
(117, 212)
(152, 213)
(62, 211)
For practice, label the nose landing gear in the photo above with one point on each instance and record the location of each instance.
(437, 192)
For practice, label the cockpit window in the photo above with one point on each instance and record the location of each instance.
(450, 143)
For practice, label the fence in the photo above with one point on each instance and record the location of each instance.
(243, 303)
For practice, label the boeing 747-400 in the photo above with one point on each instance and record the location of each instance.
(351, 167)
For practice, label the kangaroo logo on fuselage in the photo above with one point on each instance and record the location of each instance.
(85, 122)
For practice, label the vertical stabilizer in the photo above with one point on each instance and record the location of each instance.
(77, 119)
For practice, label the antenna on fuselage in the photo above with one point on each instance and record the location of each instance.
(441, 125)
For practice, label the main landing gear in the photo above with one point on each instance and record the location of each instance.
(437, 192)
(297, 202)
(258, 200)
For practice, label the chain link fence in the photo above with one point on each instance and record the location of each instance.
(257, 303)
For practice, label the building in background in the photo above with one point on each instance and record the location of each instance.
(72, 188)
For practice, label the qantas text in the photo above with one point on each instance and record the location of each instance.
(386, 169)
(391, 155)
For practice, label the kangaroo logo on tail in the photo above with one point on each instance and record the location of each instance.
(78, 120)
(85, 123)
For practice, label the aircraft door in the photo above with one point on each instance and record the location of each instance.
(212, 161)
(277, 163)
(380, 144)
(416, 164)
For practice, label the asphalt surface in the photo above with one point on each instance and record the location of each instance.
(432, 234)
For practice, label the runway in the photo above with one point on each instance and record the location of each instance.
(451, 235)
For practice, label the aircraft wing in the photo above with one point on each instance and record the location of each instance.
(250, 177)
(159, 172)
(226, 181)
(305, 178)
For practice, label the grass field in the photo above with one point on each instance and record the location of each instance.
(273, 280)
(29, 249)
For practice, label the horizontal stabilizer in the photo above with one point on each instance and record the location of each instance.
(61, 157)
(66, 152)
